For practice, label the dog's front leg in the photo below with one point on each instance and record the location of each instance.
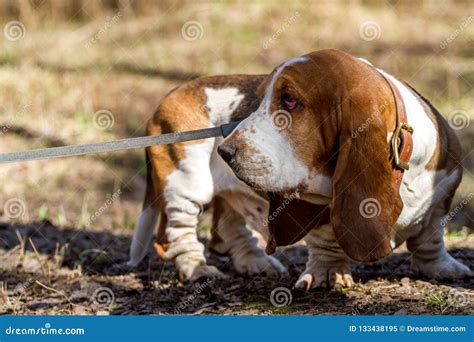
(327, 265)
(187, 189)
(235, 239)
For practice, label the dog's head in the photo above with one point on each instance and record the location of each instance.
(321, 129)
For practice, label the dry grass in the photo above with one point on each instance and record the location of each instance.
(61, 72)
(79, 57)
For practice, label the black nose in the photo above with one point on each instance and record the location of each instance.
(227, 151)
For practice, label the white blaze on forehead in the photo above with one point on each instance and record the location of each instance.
(365, 61)
(269, 91)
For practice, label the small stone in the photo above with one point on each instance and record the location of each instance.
(405, 282)
(31, 265)
(422, 283)
(402, 312)
(78, 295)
(102, 313)
(80, 311)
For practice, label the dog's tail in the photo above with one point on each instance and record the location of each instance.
(147, 220)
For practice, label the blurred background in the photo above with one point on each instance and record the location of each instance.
(78, 71)
(81, 71)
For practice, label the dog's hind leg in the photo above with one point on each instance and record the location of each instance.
(429, 255)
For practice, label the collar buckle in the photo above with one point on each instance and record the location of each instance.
(395, 146)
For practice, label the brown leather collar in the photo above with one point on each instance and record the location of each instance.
(401, 143)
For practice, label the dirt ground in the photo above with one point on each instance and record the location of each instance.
(73, 271)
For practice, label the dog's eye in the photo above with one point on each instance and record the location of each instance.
(288, 102)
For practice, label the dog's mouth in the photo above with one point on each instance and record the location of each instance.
(255, 170)
(259, 179)
(252, 177)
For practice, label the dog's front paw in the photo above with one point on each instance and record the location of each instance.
(326, 274)
(205, 272)
(444, 267)
(259, 263)
(193, 268)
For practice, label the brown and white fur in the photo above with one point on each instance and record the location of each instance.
(315, 156)
(185, 177)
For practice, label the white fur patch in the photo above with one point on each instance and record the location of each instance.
(187, 189)
(192, 180)
(285, 170)
(222, 103)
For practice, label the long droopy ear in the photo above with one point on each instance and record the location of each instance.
(366, 201)
(290, 219)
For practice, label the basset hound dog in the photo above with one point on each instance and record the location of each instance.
(329, 149)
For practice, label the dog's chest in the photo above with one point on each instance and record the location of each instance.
(240, 196)
(420, 196)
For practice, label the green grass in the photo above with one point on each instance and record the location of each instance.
(44, 213)
(82, 119)
(456, 234)
(439, 301)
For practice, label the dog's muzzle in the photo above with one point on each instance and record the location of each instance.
(227, 152)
